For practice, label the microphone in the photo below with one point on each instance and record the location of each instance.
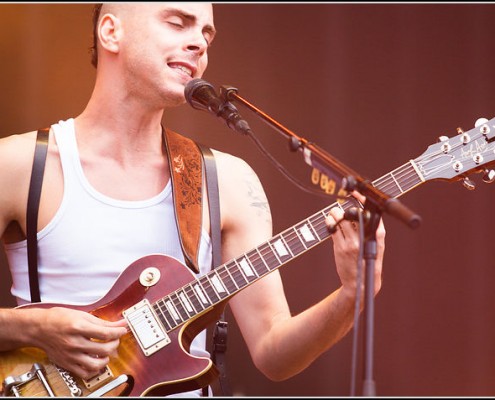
(201, 95)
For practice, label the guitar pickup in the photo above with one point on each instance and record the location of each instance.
(146, 327)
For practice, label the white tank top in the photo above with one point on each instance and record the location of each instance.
(93, 238)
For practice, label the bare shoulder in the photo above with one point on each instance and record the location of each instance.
(16, 152)
(226, 158)
(16, 160)
(240, 187)
(235, 172)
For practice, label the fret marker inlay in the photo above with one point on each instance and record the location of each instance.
(172, 311)
(200, 294)
(218, 285)
(186, 302)
(306, 233)
(246, 268)
(281, 250)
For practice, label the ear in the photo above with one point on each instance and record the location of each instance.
(109, 32)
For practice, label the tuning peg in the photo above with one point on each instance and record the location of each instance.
(465, 138)
(468, 184)
(488, 176)
(480, 121)
(445, 143)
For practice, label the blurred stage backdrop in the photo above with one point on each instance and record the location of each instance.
(372, 84)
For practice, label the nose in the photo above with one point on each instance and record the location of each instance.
(197, 43)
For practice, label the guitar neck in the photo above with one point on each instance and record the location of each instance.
(226, 280)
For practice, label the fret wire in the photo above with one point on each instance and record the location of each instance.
(248, 279)
(186, 303)
(193, 296)
(207, 289)
(405, 167)
(228, 281)
(202, 296)
(287, 245)
(292, 242)
(212, 291)
(300, 238)
(165, 312)
(237, 274)
(273, 250)
(257, 262)
(221, 293)
(161, 316)
(308, 223)
(263, 260)
(320, 228)
(232, 278)
(252, 267)
(413, 179)
(269, 256)
(383, 180)
(178, 306)
(171, 306)
(392, 188)
(406, 175)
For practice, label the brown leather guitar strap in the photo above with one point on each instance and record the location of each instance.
(186, 173)
(186, 159)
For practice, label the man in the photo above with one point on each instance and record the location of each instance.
(107, 189)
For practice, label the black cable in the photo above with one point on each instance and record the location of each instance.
(283, 170)
(356, 307)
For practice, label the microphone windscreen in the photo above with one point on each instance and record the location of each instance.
(199, 93)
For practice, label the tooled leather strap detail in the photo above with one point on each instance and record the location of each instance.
(186, 173)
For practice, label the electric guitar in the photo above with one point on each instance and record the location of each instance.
(166, 306)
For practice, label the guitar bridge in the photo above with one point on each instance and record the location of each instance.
(146, 327)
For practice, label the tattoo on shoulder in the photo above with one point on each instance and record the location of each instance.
(257, 195)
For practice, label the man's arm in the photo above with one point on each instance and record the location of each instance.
(67, 336)
(282, 345)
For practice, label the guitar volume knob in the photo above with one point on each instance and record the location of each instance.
(150, 276)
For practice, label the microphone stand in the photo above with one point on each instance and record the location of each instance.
(376, 203)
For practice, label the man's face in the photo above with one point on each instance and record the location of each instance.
(164, 45)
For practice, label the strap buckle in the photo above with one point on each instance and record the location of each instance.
(220, 337)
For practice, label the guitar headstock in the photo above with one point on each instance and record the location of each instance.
(454, 158)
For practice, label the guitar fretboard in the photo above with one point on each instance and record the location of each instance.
(226, 280)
